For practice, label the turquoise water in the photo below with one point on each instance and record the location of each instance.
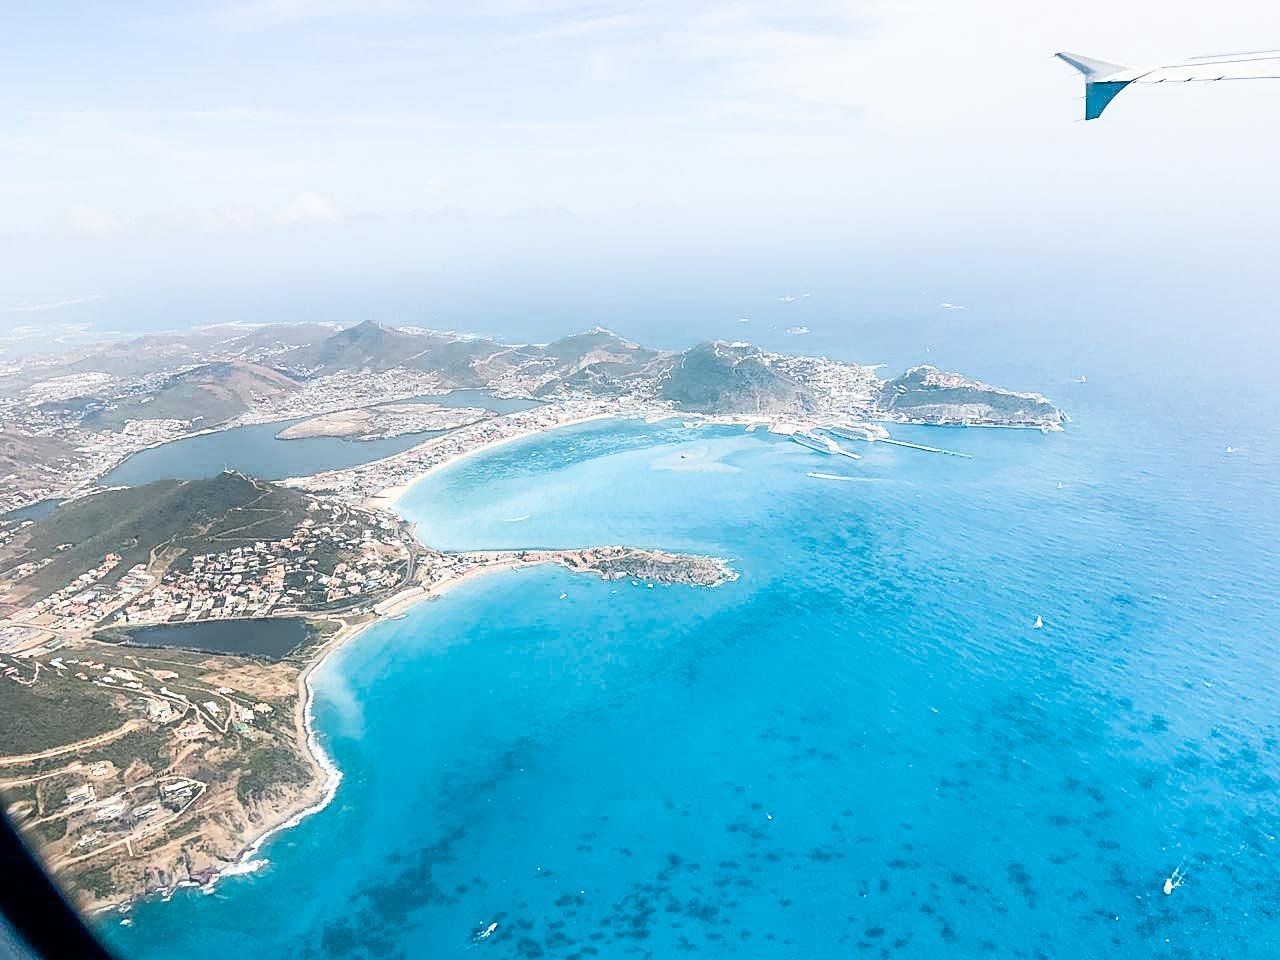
(255, 450)
(860, 748)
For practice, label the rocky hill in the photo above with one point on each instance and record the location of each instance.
(208, 395)
(928, 394)
(600, 362)
(366, 346)
(718, 377)
(28, 461)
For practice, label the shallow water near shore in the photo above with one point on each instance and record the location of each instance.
(863, 747)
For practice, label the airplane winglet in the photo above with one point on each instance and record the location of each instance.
(1099, 87)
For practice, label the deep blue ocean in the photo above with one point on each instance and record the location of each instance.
(861, 748)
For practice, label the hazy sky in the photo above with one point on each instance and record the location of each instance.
(500, 162)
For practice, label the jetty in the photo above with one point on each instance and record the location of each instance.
(925, 448)
(823, 445)
(877, 433)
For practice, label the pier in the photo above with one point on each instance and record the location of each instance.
(875, 433)
(823, 445)
(926, 449)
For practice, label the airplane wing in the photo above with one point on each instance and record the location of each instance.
(1104, 80)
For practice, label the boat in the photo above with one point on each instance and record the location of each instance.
(487, 932)
(830, 476)
(564, 596)
(1039, 624)
(1174, 880)
(870, 432)
(812, 442)
(515, 519)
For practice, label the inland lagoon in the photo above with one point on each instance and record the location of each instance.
(269, 637)
(254, 449)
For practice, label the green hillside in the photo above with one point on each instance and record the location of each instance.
(728, 378)
(159, 521)
(210, 394)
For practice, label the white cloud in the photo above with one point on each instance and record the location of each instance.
(276, 13)
(308, 207)
(49, 304)
(89, 221)
(901, 121)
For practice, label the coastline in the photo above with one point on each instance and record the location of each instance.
(245, 861)
(406, 599)
(316, 755)
(387, 498)
(329, 774)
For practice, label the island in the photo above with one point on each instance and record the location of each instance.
(157, 642)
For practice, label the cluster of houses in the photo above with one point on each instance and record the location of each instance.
(321, 562)
(84, 601)
(358, 483)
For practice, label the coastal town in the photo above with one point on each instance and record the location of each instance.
(63, 428)
(333, 558)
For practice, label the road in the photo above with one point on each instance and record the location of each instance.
(127, 728)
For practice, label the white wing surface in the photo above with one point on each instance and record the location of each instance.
(1104, 80)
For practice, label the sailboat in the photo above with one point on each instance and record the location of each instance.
(1039, 624)
(1174, 880)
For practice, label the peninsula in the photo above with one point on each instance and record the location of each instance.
(384, 420)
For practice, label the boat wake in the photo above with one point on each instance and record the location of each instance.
(842, 477)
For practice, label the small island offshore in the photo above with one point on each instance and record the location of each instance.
(156, 641)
